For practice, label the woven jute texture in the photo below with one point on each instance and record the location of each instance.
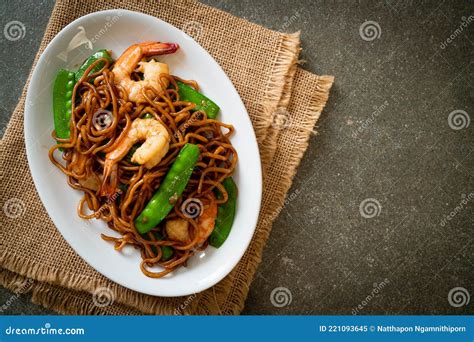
(262, 64)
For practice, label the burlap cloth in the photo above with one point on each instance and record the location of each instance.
(262, 64)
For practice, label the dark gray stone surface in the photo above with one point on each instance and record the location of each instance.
(385, 136)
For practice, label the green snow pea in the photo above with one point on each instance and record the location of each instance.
(62, 105)
(164, 199)
(225, 214)
(98, 55)
(189, 94)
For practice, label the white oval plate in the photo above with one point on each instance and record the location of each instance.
(116, 30)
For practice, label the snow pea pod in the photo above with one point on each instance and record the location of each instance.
(62, 92)
(98, 55)
(225, 214)
(62, 105)
(164, 199)
(189, 94)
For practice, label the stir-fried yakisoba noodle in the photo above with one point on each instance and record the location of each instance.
(146, 149)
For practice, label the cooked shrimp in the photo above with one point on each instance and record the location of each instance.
(206, 222)
(156, 144)
(178, 229)
(130, 59)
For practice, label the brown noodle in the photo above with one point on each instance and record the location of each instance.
(84, 156)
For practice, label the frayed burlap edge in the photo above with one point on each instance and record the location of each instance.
(279, 87)
(59, 299)
(311, 115)
(269, 144)
(16, 268)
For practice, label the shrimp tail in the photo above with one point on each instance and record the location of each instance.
(157, 48)
(129, 59)
(110, 179)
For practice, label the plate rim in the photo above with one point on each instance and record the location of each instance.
(37, 176)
